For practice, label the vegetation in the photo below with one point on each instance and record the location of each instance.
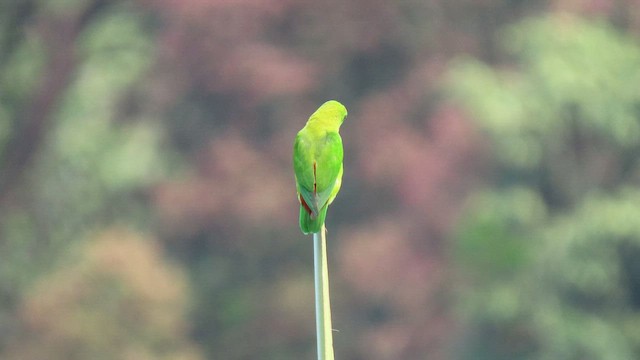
(562, 210)
(488, 209)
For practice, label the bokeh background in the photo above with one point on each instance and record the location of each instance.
(490, 207)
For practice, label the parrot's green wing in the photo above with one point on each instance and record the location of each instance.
(317, 163)
(329, 168)
(303, 167)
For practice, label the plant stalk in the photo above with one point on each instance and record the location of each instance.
(323, 302)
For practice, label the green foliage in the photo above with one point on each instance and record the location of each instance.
(576, 80)
(494, 241)
(119, 300)
(93, 158)
(22, 72)
(565, 123)
(95, 155)
(97, 98)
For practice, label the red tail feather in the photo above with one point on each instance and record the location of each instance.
(304, 205)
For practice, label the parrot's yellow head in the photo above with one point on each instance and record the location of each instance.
(330, 114)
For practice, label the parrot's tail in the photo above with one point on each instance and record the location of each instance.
(310, 225)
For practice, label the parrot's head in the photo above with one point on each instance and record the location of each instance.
(332, 113)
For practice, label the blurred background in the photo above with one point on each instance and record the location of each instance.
(490, 206)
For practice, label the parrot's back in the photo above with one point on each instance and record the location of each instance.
(317, 162)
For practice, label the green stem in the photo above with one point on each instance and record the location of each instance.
(323, 304)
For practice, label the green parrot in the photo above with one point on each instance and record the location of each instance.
(317, 164)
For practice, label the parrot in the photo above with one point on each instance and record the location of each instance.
(317, 164)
